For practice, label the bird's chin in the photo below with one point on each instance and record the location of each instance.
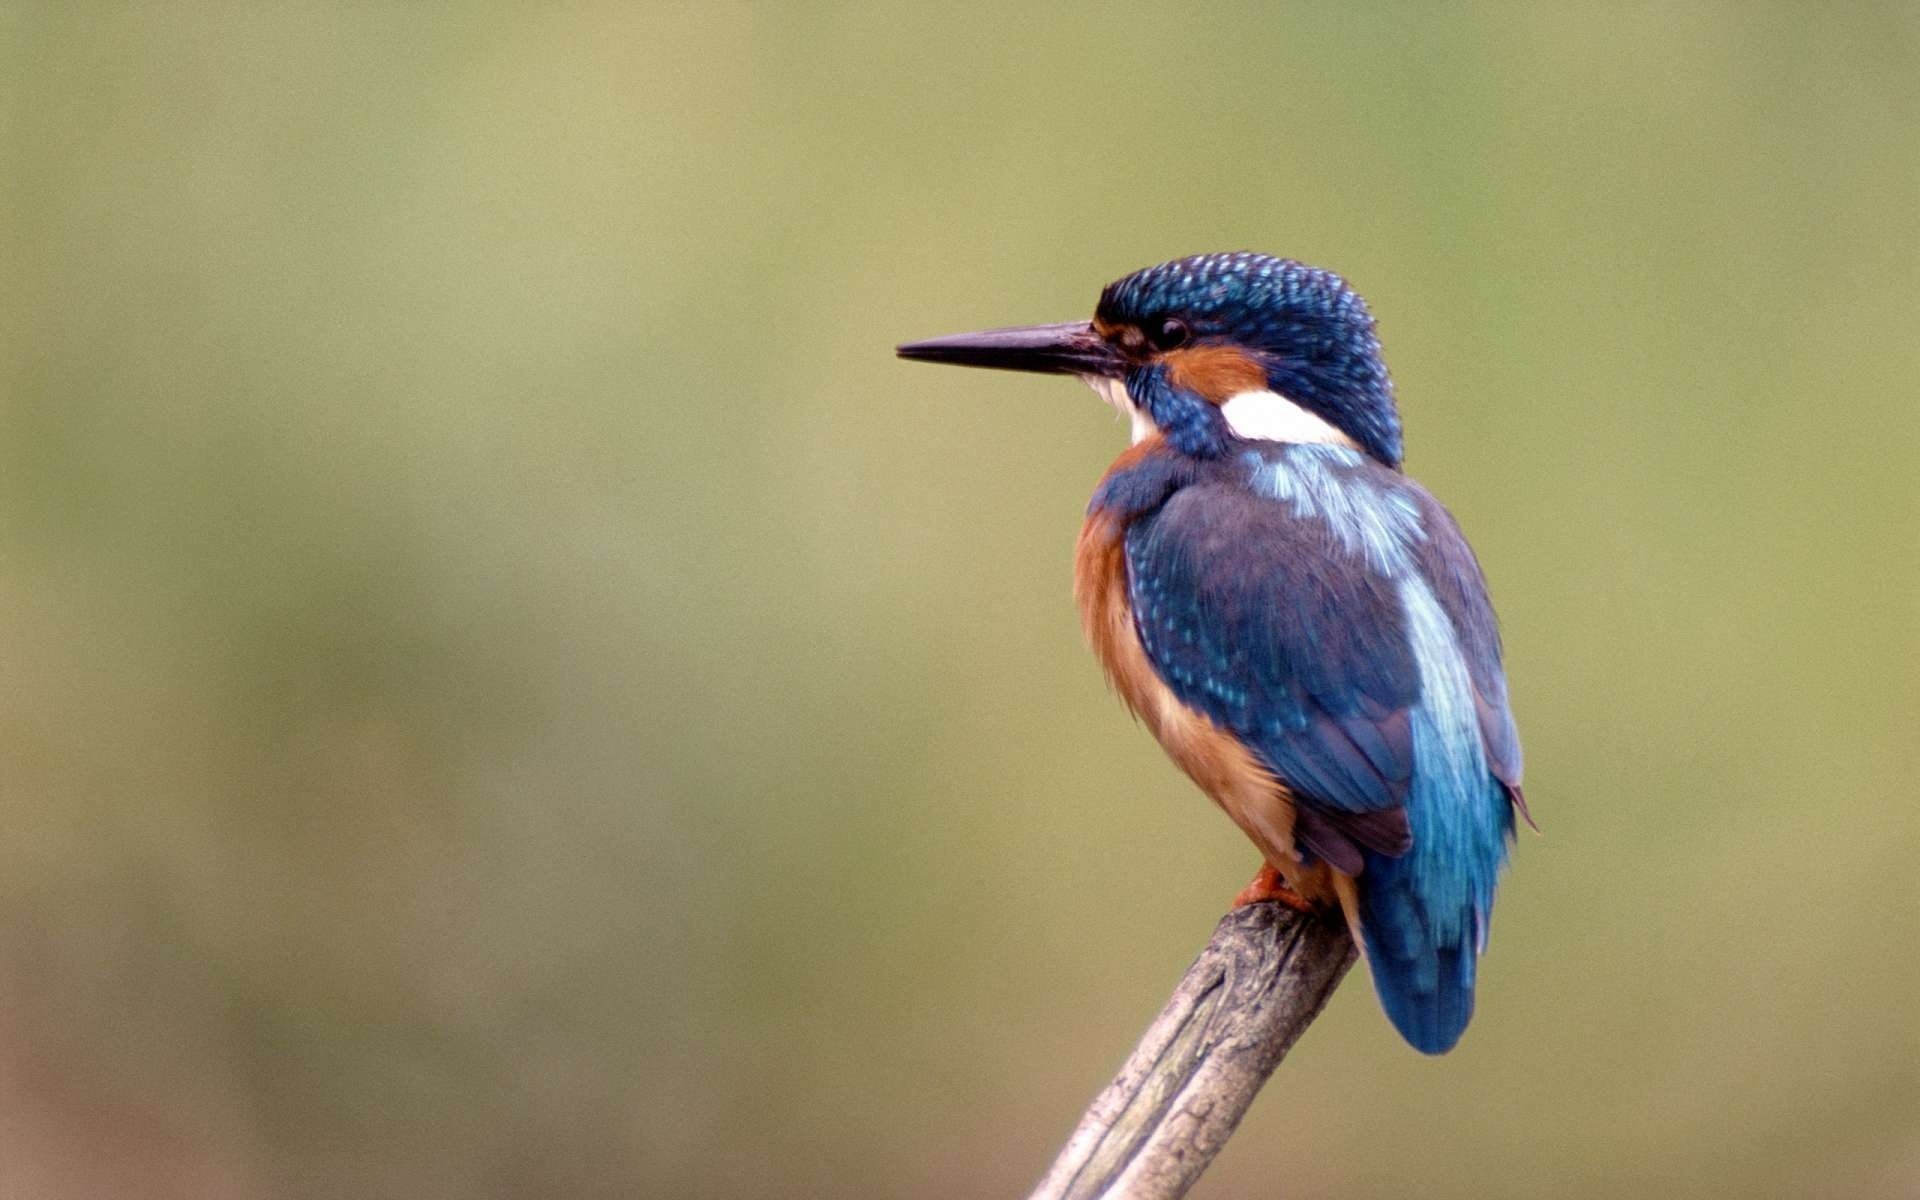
(1114, 392)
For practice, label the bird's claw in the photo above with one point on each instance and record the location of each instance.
(1267, 885)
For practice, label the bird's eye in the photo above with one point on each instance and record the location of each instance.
(1168, 333)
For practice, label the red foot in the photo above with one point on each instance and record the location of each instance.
(1266, 885)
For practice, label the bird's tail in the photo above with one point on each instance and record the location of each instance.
(1422, 960)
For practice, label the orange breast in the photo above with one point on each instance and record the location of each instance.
(1225, 770)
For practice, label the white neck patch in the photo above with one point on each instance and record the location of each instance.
(1270, 417)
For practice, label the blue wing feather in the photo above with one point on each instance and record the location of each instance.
(1246, 616)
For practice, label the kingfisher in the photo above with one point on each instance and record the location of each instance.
(1302, 627)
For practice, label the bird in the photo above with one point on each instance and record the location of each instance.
(1302, 626)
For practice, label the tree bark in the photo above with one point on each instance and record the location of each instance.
(1263, 978)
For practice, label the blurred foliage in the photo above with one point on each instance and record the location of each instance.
(510, 689)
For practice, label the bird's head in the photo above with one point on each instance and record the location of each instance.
(1214, 348)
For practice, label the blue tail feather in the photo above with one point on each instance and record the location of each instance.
(1423, 969)
(1423, 915)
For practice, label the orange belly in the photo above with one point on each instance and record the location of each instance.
(1216, 760)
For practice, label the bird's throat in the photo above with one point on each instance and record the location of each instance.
(1114, 392)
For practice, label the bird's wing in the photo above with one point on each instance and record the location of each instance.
(1286, 624)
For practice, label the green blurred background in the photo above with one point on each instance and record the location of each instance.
(508, 688)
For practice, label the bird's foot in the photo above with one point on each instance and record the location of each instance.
(1267, 885)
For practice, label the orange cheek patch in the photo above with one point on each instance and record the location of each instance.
(1214, 373)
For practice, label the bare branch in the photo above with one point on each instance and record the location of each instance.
(1262, 979)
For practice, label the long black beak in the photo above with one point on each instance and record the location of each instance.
(1069, 349)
